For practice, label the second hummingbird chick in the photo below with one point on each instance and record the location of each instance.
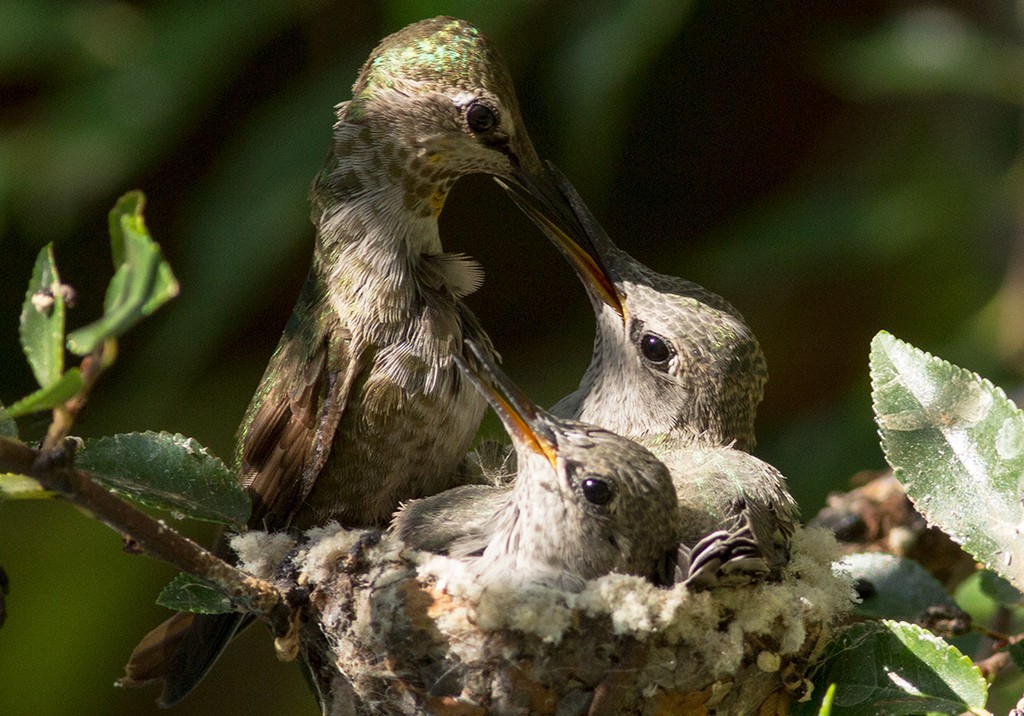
(585, 502)
(677, 369)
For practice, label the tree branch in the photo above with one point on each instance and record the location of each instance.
(55, 472)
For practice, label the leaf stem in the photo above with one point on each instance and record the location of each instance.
(92, 366)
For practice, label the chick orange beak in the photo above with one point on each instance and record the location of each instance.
(525, 423)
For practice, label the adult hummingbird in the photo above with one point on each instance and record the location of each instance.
(363, 404)
(676, 368)
(584, 502)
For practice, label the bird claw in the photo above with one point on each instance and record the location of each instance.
(725, 557)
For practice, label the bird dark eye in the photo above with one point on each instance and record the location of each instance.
(597, 492)
(654, 348)
(480, 117)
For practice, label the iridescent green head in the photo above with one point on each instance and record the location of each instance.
(440, 87)
(439, 95)
(442, 52)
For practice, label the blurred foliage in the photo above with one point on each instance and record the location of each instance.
(832, 169)
(900, 588)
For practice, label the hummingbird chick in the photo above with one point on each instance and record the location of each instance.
(677, 369)
(362, 405)
(585, 502)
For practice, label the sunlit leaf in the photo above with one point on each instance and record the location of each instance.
(826, 703)
(42, 320)
(895, 668)
(897, 588)
(957, 444)
(186, 593)
(142, 281)
(49, 397)
(167, 471)
(21, 487)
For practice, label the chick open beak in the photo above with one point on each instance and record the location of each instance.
(525, 423)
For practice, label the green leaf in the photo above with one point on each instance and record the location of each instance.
(49, 397)
(894, 668)
(957, 444)
(186, 593)
(142, 281)
(999, 590)
(900, 588)
(21, 487)
(42, 320)
(167, 471)
(826, 703)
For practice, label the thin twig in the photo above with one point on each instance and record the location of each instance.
(1001, 660)
(994, 665)
(92, 367)
(55, 473)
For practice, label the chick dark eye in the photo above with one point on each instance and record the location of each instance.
(654, 348)
(597, 492)
(480, 118)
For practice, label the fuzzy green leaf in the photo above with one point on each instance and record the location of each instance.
(142, 281)
(899, 588)
(895, 668)
(42, 320)
(167, 471)
(957, 444)
(49, 397)
(186, 593)
(21, 487)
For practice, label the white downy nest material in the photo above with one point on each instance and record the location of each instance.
(413, 633)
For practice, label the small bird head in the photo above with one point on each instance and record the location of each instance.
(668, 355)
(585, 501)
(439, 96)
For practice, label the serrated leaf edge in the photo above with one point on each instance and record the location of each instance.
(190, 445)
(937, 642)
(882, 341)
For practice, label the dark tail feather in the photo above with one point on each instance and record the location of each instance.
(179, 652)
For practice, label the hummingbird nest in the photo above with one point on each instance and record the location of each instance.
(396, 631)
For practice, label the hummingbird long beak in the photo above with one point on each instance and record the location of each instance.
(526, 424)
(554, 206)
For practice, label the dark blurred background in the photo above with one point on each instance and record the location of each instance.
(833, 169)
